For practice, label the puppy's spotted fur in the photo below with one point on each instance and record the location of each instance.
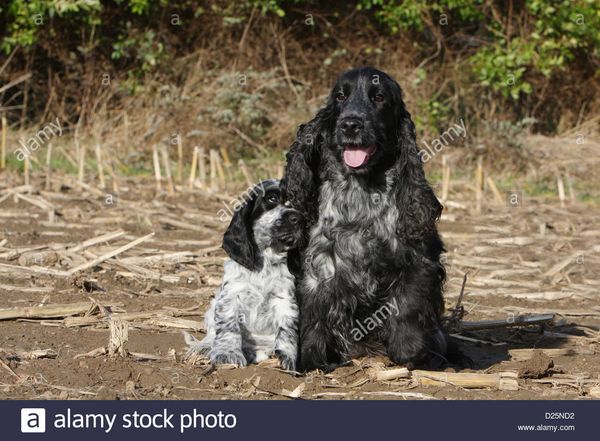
(254, 314)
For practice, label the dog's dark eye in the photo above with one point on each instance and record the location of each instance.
(273, 199)
(340, 97)
(379, 98)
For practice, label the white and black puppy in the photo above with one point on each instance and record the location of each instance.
(254, 314)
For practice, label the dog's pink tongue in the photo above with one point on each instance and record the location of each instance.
(355, 157)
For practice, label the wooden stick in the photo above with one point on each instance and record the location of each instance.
(225, 156)
(561, 190)
(37, 201)
(467, 380)
(157, 174)
(91, 354)
(113, 176)
(96, 240)
(572, 194)
(46, 311)
(48, 166)
(140, 356)
(110, 254)
(220, 171)
(494, 189)
(3, 144)
(282, 60)
(163, 314)
(176, 256)
(193, 169)
(202, 165)
(30, 290)
(119, 332)
(7, 367)
(167, 163)
(26, 166)
(520, 320)
(227, 162)
(246, 173)
(445, 177)
(36, 354)
(389, 374)
(134, 271)
(100, 168)
(179, 160)
(76, 140)
(477, 340)
(185, 225)
(479, 184)
(517, 240)
(81, 172)
(15, 270)
(175, 322)
(213, 170)
(13, 83)
(562, 264)
(126, 128)
(526, 354)
(15, 253)
(67, 156)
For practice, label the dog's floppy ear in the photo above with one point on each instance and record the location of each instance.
(417, 204)
(301, 182)
(238, 241)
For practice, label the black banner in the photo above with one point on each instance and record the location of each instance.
(299, 420)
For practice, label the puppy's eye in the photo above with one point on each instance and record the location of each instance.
(379, 98)
(273, 199)
(340, 97)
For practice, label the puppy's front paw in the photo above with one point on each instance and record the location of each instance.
(231, 357)
(288, 362)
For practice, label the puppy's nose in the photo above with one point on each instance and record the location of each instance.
(351, 126)
(294, 218)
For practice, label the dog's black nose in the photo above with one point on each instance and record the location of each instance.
(351, 126)
(294, 218)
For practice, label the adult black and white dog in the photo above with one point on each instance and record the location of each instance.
(371, 276)
(254, 314)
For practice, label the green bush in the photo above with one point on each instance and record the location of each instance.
(560, 29)
(507, 49)
(29, 20)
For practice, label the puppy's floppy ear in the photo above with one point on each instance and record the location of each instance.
(238, 241)
(418, 206)
(301, 182)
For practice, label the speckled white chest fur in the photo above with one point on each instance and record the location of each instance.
(352, 223)
(260, 302)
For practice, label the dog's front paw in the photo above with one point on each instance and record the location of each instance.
(288, 362)
(231, 357)
(418, 348)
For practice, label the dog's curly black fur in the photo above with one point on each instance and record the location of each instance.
(354, 171)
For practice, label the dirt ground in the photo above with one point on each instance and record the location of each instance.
(531, 258)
